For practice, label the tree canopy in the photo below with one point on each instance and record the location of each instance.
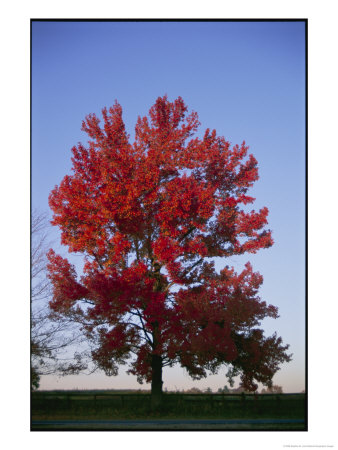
(149, 217)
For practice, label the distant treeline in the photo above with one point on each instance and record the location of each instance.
(194, 390)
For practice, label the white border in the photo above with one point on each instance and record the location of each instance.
(15, 182)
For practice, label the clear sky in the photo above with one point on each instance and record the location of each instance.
(245, 79)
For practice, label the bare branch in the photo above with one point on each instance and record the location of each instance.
(51, 336)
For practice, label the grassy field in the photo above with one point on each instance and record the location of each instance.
(124, 405)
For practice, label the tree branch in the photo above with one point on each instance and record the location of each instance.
(189, 269)
(191, 229)
(139, 315)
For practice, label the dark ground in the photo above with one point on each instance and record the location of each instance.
(102, 410)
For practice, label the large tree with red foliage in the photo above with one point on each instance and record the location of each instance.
(148, 217)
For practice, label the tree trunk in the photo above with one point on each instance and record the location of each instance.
(156, 382)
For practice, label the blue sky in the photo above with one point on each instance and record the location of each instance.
(245, 79)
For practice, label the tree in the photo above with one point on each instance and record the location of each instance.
(273, 389)
(224, 390)
(148, 218)
(194, 390)
(50, 336)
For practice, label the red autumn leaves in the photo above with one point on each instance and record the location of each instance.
(146, 216)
